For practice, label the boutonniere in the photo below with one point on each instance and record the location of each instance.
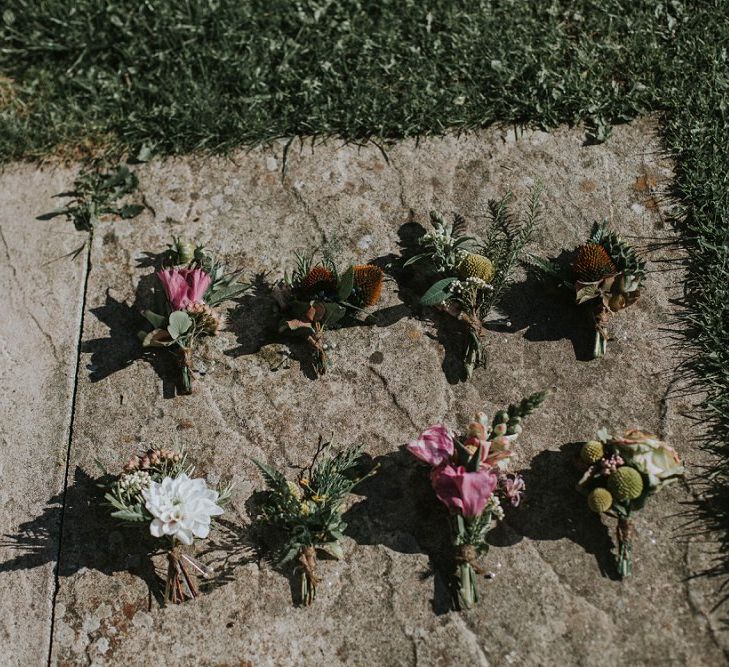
(307, 511)
(605, 274)
(317, 296)
(467, 276)
(620, 474)
(193, 283)
(470, 476)
(158, 489)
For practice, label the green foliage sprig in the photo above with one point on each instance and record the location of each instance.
(95, 193)
(308, 511)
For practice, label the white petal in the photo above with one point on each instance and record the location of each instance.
(156, 528)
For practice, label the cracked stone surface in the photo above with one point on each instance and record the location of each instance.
(42, 294)
(549, 601)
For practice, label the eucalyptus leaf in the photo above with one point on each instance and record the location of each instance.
(333, 549)
(437, 292)
(157, 321)
(179, 323)
(334, 313)
(346, 284)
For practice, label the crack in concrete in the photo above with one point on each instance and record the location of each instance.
(45, 335)
(74, 393)
(393, 397)
(299, 198)
(6, 248)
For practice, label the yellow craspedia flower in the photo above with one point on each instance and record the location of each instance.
(476, 266)
(591, 452)
(600, 500)
(625, 483)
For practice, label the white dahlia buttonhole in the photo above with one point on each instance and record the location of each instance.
(181, 507)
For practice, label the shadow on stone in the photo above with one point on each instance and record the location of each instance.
(121, 348)
(554, 510)
(94, 540)
(400, 511)
(548, 313)
(255, 321)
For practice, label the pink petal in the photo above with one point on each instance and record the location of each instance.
(434, 446)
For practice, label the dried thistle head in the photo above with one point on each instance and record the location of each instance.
(368, 283)
(592, 263)
(319, 279)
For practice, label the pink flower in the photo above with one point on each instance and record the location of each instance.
(462, 491)
(184, 286)
(434, 446)
(512, 486)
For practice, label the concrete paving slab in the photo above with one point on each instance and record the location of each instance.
(549, 602)
(39, 332)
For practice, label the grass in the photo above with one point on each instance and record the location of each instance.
(210, 75)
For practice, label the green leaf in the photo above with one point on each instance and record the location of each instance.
(130, 211)
(586, 293)
(179, 323)
(54, 213)
(157, 321)
(225, 293)
(128, 515)
(333, 549)
(334, 313)
(437, 292)
(346, 284)
(145, 152)
(416, 258)
(156, 338)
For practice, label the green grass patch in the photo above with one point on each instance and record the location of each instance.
(210, 75)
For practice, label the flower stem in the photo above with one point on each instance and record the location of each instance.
(600, 347)
(467, 590)
(317, 342)
(185, 360)
(625, 546)
(309, 578)
(180, 584)
(466, 571)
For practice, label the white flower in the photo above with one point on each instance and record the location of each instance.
(494, 506)
(181, 507)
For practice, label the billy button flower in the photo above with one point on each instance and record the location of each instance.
(476, 266)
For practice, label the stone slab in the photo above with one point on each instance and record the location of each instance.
(549, 602)
(39, 331)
